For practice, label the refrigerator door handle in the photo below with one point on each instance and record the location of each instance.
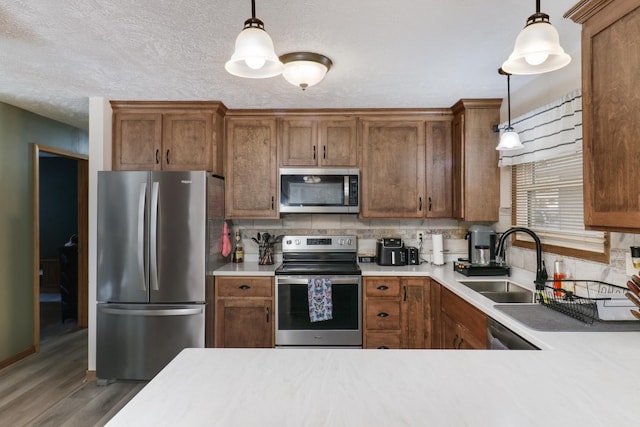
(147, 313)
(141, 208)
(153, 233)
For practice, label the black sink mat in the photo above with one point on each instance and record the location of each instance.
(541, 318)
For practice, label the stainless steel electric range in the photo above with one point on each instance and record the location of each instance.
(304, 258)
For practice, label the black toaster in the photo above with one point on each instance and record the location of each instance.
(391, 251)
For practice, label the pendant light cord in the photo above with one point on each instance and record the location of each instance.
(253, 8)
(509, 96)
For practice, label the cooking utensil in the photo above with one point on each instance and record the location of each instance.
(634, 299)
(634, 288)
(636, 279)
(635, 313)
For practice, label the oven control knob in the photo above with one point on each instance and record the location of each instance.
(288, 242)
(297, 241)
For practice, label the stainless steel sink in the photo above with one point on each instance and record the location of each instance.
(501, 291)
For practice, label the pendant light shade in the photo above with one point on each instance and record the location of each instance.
(509, 140)
(537, 49)
(254, 56)
(305, 69)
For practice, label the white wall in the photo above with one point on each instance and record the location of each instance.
(99, 159)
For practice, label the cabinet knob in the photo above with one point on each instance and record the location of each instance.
(157, 158)
(314, 152)
(383, 287)
(267, 310)
(420, 200)
(324, 151)
(429, 204)
(383, 314)
(244, 287)
(455, 338)
(167, 157)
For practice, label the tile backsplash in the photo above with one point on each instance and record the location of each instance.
(368, 231)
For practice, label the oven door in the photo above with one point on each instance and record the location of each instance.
(293, 326)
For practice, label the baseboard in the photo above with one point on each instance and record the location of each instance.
(13, 359)
(90, 376)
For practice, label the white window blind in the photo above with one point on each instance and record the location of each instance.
(549, 200)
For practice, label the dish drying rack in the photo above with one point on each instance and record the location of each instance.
(578, 298)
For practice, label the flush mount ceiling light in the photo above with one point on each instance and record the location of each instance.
(305, 69)
(509, 140)
(537, 49)
(254, 56)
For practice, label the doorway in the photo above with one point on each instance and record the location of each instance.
(70, 255)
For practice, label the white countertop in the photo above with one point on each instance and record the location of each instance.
(582, 378)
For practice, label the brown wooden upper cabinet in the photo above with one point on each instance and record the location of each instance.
(325, 141)
(406, 167)
(611, 112)
(149, 135)
(251, 168)
(476, 176)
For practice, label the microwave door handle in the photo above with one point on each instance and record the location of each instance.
(346, 190)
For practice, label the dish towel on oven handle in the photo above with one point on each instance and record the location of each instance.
(320, 302)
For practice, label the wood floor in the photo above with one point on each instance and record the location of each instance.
(49, 388)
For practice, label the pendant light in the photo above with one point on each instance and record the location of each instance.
(509, 140)
(537, 49)
(254, 56)
(305, 69)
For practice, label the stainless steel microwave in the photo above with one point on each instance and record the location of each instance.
(319, 190)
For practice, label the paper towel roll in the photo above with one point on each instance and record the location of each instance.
(438, 248)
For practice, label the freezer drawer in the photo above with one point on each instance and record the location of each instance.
(134, 341)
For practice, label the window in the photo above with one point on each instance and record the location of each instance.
(547, 198)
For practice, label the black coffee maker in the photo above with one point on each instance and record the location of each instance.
(481, 259)
(482, 245)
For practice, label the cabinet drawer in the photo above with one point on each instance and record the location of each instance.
(383, 315)
(382, 287)
(244, 287)
(382, 340)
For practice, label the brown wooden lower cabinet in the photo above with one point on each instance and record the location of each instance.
(462, 326)
(244, 314)
(397, 312)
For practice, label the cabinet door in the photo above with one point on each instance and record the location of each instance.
(416, 325)
(251, 175)
(244, 323)
(611, 115)
(187, 140)
(298, 142)
(439, 170)
(392, 169)
(137, 141)
(337, 143)
(472, 323)
(450, 336)
(476, 181)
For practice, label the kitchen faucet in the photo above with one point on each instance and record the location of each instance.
(541, 270)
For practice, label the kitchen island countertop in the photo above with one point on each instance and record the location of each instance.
(580, 378)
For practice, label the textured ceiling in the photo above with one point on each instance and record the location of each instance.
(54, 55)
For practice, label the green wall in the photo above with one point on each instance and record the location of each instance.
(19, 129)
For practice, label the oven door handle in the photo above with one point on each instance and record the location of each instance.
(302, 281)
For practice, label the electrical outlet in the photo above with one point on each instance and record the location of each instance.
(419, 237)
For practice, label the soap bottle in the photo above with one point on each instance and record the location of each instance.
(238, 253)
(558, 275)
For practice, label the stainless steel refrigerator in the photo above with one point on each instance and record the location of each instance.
(151, 263)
